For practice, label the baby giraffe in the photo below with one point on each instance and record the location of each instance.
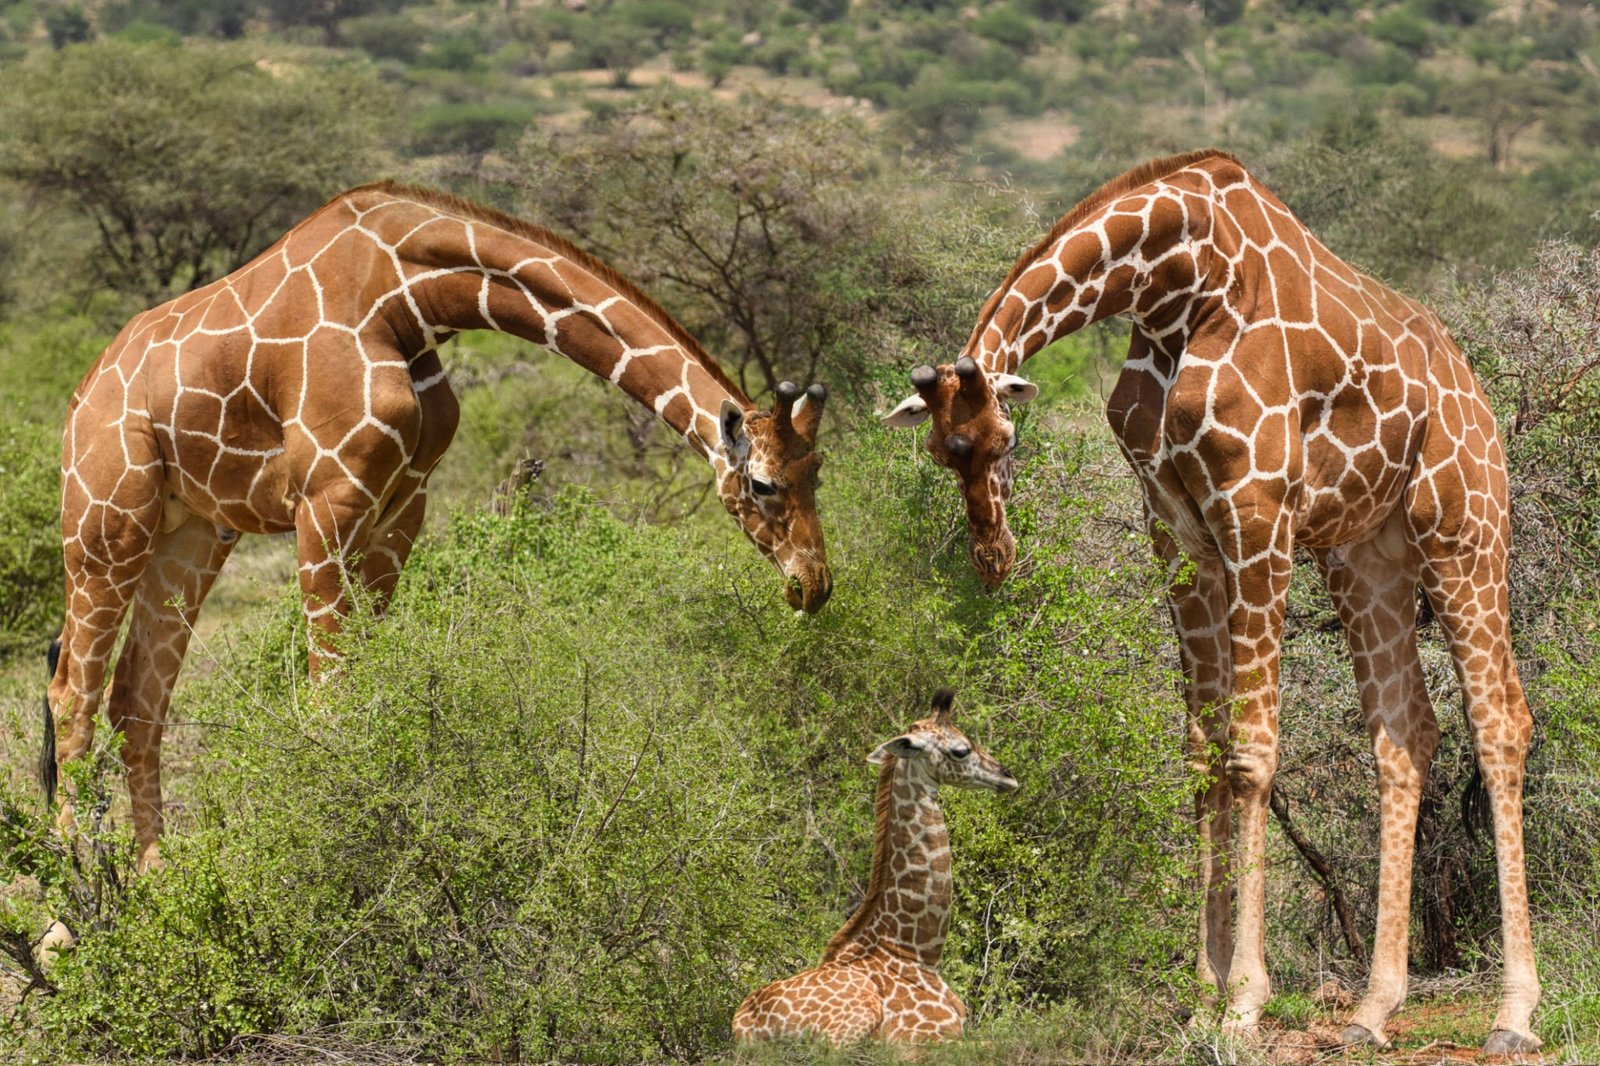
(879, 977)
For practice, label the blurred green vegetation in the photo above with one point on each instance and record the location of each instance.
(589, 783)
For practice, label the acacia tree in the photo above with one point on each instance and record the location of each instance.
(774, 232)
(738, 207)
(187, 160)
(1508, 105)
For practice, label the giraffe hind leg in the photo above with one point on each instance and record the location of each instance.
(1471, 600)
(102, 576)
(183, 565)
(1374, 592)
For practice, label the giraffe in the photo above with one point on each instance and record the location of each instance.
(1274, 397)
(304, 392)
(879, 976)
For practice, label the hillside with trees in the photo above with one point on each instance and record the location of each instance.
(591, 781)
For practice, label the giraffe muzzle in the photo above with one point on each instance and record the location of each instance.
(807, 591)
(993, 556)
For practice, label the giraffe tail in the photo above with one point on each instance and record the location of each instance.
(47, 757)
(1475, 804)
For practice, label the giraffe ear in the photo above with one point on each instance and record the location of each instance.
(1013, 389)
(913, 411)
(902, 747)
(730, 424)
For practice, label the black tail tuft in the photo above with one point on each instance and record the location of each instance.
(1475, 805)
(47, 757)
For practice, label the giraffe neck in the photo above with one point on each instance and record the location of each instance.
(1142, 255)
(906, 912)
(464, 272)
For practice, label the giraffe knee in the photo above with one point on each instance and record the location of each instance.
(1249, 769)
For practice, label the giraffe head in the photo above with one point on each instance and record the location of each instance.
(973, 436)
(769, 486)
(944, 754)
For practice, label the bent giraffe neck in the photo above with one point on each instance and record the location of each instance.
(465, 272)
(1142, 254)
(906, 911)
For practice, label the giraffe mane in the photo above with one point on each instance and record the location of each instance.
(1126, 182)
(567, 249)
(880, 863)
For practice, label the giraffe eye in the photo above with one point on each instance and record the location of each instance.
(763, 488)
(960, 751)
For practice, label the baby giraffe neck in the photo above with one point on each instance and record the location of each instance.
(906, 912)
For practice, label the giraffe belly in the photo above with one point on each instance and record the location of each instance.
(1344, 500)
(1340, 496)
(1324, 517)
(247, 493)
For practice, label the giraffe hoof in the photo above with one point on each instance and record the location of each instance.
(1510, 1042)
(1356, 1035)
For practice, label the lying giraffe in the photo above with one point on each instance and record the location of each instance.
(879, 977)
(304, 392)
(1274, 397)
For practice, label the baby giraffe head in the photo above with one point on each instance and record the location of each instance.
(943, 755)
(973, 437)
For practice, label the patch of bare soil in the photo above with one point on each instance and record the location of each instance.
(1426, 1032)
(1039, 139)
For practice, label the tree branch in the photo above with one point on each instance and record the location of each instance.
(1323, 870)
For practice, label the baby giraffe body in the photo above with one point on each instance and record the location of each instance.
(879, 977)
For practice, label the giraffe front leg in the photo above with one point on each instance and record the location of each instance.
(1197, 598)
(392, 541)
(1375, 596)
(332, 531)
(1258, 562)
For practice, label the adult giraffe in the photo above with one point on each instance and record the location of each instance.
(304, 393)
(1272, 397)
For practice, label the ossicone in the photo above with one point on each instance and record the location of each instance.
(799, 412)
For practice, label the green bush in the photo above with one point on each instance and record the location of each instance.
(591, 782)
(30, 536)
(1010, 27)
(469, 128)
(398, 36)
(143, 31)
(664, 20)
(1404, 29)
(462, 51)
